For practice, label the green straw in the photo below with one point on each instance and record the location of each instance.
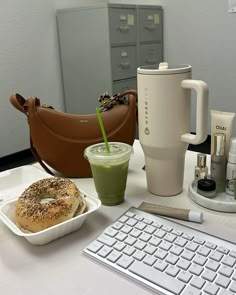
(102, 129)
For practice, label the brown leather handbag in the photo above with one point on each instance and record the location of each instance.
(58, 139)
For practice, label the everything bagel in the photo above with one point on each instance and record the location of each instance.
(48, 202)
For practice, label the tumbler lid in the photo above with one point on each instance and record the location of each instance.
(163, 69)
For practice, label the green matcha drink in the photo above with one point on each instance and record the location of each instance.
(109, 170)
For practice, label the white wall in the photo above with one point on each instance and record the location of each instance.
(29, 63)
(202, 33)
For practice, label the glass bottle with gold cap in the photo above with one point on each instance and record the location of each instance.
(201, 170)
(218, 162)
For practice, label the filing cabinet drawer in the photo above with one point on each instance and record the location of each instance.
(150, 28)
(122, 25)
(124, 62)
(150, 54)
(122, 86)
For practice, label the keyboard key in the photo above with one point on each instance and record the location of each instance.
(196, 269)
(121, 236)
(211, 288)
(177, 250)
(123, 219)
(183, 264)
(187, 236)
(149, 249)
(203, 250)
(111, 232)
(130, 214)
(187, 255)
(171, 258)
(140, 225)
(159, 233)
(209, 275)
(197, 282)
(114, 256)
(212, 264)
(222, 281)
(125, 261)
(139, 255)
(126, 229)
(118, 225)
(167, 228)
(210, 245)
(161, 265)
(119, 246)
(135, 233)
(130, 240)
(222, 250)
(145, 237)
(150, 229)
(199, 240)
(184, 276)
(199, 259)
(149, 259)
(147, 221)
(172, 270)
(161, 254)
(190, 290)
(106, 240)
(225, 292)
(177, 232)
(95, 246)
(232, 287)
(170, 238)
(226, 270)
(157, 277)
(104, 251)
(154, 241)
(131, 222)
(180, 242)
(139, 245)
(192, 246)
(216, 255)
(228, 260)
(165, 245)
(129, 250)
(232, 253)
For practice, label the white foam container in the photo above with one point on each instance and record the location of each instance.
(12, 184)
(14, 181)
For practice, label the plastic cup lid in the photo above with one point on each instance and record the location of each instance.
(118, 150)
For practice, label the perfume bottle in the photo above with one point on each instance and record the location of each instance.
(218, 162)
(201, 170)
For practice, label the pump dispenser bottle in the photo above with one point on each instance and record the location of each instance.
(218, 162)
(231, 169)
(201, 170)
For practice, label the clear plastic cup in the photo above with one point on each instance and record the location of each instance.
(109, 170)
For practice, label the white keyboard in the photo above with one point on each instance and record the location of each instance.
(165, 256)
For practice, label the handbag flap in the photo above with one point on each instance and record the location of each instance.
(80, 127)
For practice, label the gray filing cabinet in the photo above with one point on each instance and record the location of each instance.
(101, 47)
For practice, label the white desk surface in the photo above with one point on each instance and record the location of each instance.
(60, 267)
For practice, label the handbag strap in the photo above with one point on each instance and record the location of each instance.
(107, 102)
(20, 103)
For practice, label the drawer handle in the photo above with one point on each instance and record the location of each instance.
(150, 28)
(123, 28)
(151, 61)
(125, 65)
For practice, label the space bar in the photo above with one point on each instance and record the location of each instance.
(156, 277)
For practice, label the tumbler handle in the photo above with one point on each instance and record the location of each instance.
(201, 111)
